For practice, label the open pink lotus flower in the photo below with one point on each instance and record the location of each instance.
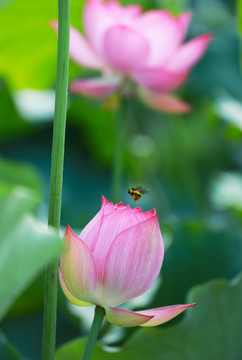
(144, 48)
(117, 257)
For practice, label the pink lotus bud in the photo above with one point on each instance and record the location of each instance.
(146, 49)
(117, 257)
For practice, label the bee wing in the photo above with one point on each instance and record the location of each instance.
(142, 190)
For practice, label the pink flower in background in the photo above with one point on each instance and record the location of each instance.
(117, 257)
(146, 49)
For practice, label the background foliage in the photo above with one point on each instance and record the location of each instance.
(191, 164)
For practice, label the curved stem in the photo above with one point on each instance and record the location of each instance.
(57, 159)
(92, 338)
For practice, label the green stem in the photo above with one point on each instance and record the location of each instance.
(92, 338)
(57, 160)
(119, 121)
(239, 25)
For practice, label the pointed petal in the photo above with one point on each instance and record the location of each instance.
(90, 232)
(97, 19)
(163, 33)
(149, 214)
(96, 88)
(99, 16)
(67, 293)
(133, 262)
(183, 23)
(80, 50)
(139, 214)
(188, 54)
(104, 227)
(124, 48)
(125, 318)
(111, 207)
(159, 79)
(78, 268)
(113, 223)
(122, 12)
(164, 102)
(144, 215)
(137, 209)
(163, 314)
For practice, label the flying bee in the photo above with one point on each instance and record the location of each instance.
(136, 193)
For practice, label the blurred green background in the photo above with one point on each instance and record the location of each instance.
(191, 163)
